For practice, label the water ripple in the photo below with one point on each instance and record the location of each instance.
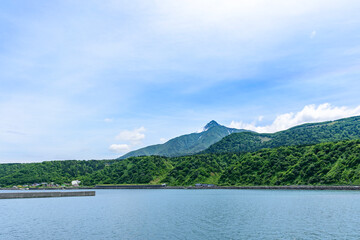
(183, 214)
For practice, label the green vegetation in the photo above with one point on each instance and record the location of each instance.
(343, 129)
(140, 170)
(188, 170)
(186, 144)
(332, 163)
(324, 163)
(306, 154)
(50, 171)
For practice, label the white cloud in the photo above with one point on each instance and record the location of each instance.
(134, 137)
(100, 58)
(310, 113)
(163, 140)
(313, 34)
(119, 148)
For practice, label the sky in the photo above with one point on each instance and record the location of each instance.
(92, 79)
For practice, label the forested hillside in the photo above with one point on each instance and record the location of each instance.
(343, 129)
(49, 171)
(324, 163)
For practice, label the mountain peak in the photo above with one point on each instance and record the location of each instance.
(186, 144)
(211, 124)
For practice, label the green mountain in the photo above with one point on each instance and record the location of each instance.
(308, 154)
(331, 131)
(186, 144)
(323, 163)
(320, 164)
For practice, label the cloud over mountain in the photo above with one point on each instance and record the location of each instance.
(119, 148)
(133, 136)
(129, 139)
(310, 113)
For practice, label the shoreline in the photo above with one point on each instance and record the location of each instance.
(290, 187)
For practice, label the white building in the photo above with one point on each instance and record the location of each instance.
(75, 183)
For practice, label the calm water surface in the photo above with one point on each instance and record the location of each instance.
(185, 214)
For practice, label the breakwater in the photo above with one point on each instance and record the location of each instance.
(48, 194)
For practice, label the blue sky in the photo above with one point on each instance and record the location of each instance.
(94, 79)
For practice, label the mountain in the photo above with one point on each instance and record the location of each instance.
(320, 164)
(187, 144)
(312, 133)
(305, 154)
(331, 163)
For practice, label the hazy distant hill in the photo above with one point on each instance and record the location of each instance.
(331, 131)
(187, 144)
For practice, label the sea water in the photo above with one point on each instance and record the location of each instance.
(185, 214)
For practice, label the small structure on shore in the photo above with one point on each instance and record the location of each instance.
(75, 183)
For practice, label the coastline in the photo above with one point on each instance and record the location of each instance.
(290, 187)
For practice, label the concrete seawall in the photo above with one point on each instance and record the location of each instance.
(130, 187)
(46, 194)
(294, 187)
